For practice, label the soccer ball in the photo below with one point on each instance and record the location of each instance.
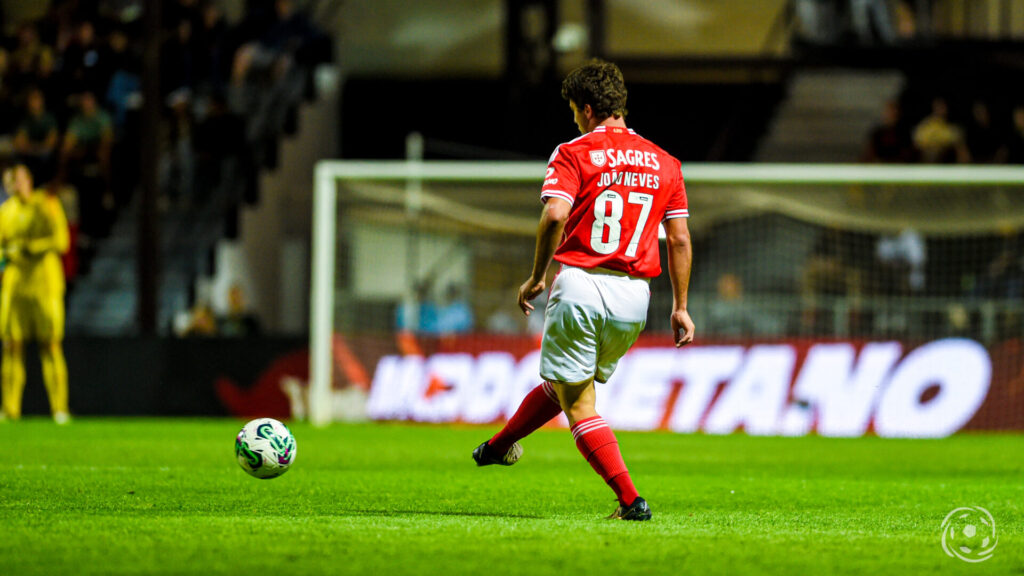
(969, 533)
(265, 448)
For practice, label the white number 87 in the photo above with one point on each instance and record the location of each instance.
(608, 213)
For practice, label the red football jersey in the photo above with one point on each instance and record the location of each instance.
(621, 187)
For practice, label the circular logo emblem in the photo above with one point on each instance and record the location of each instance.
(969, 533)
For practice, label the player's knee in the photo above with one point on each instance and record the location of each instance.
(13, 346)
(49, 347)
(577, 399)
(578, 412)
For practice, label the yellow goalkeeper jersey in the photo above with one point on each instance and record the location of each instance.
(33, 236)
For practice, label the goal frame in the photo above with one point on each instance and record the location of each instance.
(328, 173)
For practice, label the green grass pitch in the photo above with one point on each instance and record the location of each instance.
(152, 496)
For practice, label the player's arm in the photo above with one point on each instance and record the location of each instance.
(106, 145)
(21, 142)
(50, 144)
(70, 141)
(10, 248)
(680, 257)
(58, 240)
(549, 233)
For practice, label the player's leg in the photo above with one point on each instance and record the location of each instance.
(626, 313)
(570, 356)
(12, 328)
(568, 349)
(50, 328)
(597, 443)
(55, 376)
(12, 374)
(541, 404)
(536, 410)
(8, 407)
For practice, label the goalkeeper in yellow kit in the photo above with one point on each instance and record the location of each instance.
(33, 236)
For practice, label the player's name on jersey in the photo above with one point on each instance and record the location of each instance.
(630, 179)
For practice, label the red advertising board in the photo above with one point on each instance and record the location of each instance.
(793, 387)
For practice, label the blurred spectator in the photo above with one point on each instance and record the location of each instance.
(290, 30)
(52, 86)
(419, 314)
(870, 21)
(269, 74)
(175, 11)
(178, 59)
(8, 111)
(124, 90)
(1015, 145)
(818, 21)
(1004, 276)
(984, 142)
(86, 63)
(212, 44)
(726, 314)
(28, 55)
(830, 270)
(900, 262)
(86, 163)
(77, 72)
(239, 321)
(906, 20)
(870, 18)
(177, 164)
(219, 140)
(938, 140)
(200, 321)
(890, 141)
(36, 138)
(455, 316)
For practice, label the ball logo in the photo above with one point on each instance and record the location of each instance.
(969, 533)
(597, 158)
(242, 449)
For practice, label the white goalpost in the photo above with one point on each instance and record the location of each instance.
(789, 188)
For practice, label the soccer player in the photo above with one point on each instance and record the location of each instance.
(605, 193)
(33, 236)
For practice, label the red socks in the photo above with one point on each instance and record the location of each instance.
(594, 439)
(597, 443)
(537, 409)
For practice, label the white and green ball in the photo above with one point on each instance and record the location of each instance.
(265, 448)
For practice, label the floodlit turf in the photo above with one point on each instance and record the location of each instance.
(166, 497)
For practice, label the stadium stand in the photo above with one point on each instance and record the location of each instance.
(70, 84)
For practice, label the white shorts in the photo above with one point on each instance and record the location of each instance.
(592, 318)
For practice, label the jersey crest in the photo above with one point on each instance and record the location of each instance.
(597, 158)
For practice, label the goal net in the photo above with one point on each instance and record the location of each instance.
(836, 299)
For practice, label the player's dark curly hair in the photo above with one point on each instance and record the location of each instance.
(599, 84)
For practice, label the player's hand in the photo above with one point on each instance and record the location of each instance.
(14, 251)
(528, 291)
(682, 328)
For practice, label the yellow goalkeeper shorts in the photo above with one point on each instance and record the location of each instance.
(29, 317)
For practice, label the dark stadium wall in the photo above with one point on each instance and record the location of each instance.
(170, 377)
(464, 118)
